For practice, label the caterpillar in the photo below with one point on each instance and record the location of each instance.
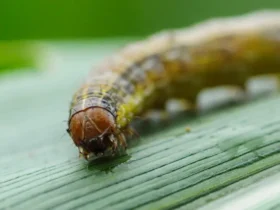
(173, 63)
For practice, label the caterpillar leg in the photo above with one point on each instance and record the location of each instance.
(220, 96)
(173, 107)
(122, 141)
(131, 132)
(263, 84)
(156, 115)
(176, 105)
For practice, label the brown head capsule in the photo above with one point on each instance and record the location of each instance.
(93, 131)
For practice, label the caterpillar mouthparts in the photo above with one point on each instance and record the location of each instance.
(93, 131)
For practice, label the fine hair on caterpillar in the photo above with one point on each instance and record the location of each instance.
(172, 64)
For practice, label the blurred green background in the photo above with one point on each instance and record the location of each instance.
(22, 20)
(75, 19)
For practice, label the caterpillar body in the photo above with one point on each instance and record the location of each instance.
(178, 64)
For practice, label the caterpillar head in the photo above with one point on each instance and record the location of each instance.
(93, 131)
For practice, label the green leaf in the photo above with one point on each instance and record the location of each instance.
(225, 151)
